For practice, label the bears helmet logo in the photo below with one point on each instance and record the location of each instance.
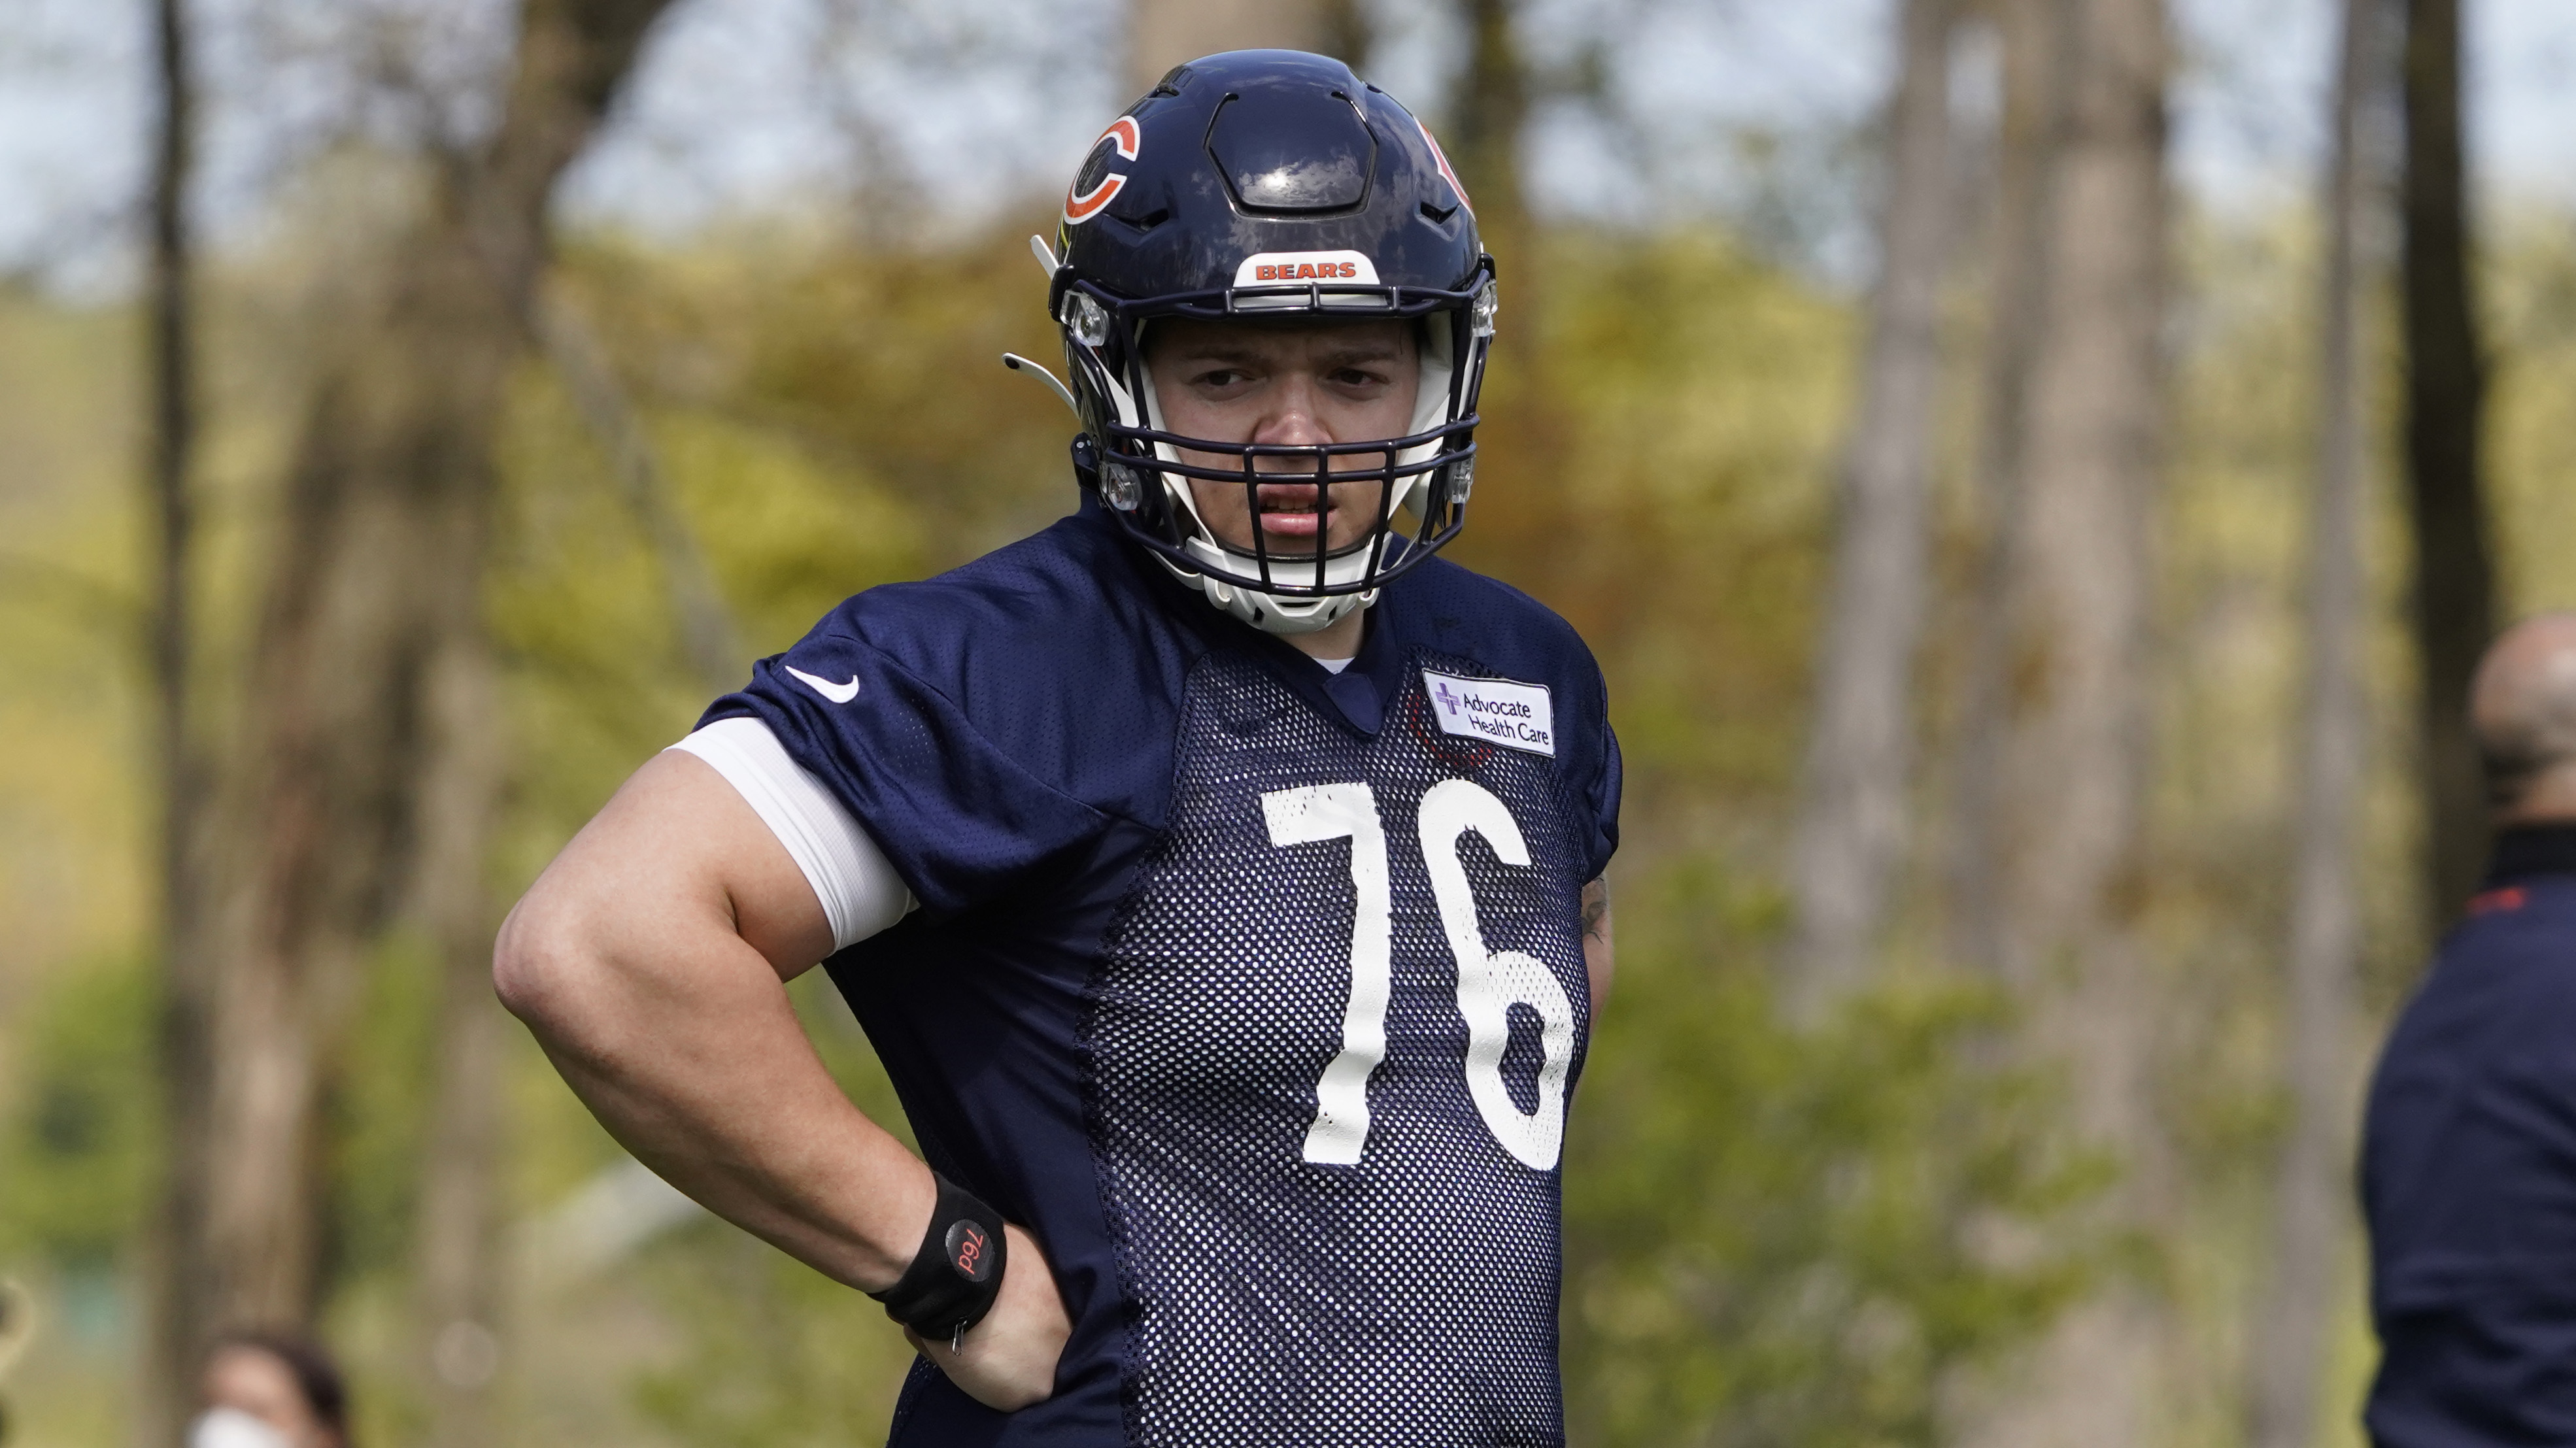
(1124, 134)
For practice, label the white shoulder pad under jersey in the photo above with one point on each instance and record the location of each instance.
(859, 890)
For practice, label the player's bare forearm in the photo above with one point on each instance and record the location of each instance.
(650, 960)
(641, 978)
(1599, 963)
(742, 1117)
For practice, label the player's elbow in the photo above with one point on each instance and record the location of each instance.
(538, 963)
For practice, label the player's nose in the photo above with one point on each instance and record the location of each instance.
(1292, 423)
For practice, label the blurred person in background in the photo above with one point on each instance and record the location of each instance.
(265, 1390)
(2469, 1149)
(1217, 873)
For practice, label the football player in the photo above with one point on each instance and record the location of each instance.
(1217, 873)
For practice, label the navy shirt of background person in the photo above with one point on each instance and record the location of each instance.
(2469, 1155)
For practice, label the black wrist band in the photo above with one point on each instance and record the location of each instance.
(957, 1273)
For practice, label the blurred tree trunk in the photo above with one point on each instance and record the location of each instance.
(458, 1256)
(1346, 34)
(1852, 831)
(709, 640)
(2454, 596)
(377, 572)
(2068, 815)
(1522, 514)
(2308, 1209)
(1484, 132)
(181, 1282)
(1164, 33)
(2092, 458)
(2038, 71)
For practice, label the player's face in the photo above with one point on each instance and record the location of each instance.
(1291, 384)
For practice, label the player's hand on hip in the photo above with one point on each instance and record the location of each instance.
(1008, 1360)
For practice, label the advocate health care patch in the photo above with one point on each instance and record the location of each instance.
(1497, 711)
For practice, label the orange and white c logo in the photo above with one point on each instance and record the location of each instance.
(1129, 140)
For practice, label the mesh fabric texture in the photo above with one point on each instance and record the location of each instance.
(1412, 1297)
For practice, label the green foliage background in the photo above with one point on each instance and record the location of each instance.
(1776, 1235)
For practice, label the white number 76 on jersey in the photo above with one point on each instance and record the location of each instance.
(1490, 982)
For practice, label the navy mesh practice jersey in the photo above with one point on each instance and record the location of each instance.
(2469, 1173)
(1255, 992)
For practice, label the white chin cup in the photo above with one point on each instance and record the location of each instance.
(232, 1428)
(1269, 612)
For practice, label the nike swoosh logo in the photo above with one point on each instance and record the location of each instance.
(837, 693)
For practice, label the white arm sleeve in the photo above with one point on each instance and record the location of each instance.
(860, 892)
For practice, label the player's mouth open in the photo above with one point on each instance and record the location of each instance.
(1288, 510)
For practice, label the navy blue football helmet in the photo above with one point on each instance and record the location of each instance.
(1272, 184)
